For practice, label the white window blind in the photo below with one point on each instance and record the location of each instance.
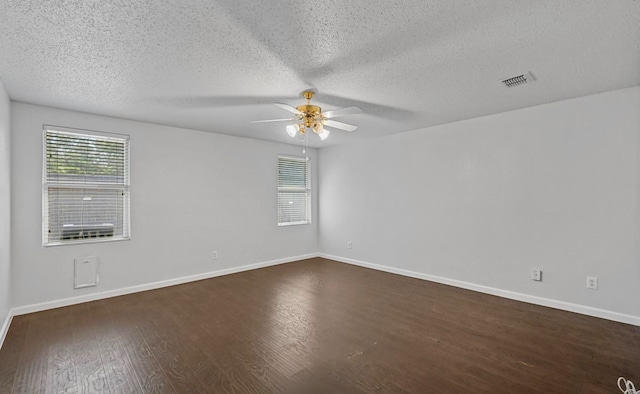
(85, 186)
(294, 191)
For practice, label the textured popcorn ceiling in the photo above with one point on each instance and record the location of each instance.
(215, 65)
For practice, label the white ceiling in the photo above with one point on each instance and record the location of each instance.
(214, 65)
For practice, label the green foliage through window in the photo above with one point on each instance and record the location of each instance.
(83, 155)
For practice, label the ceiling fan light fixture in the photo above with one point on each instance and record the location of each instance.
(318, 128)
(292, 130)
(323, 134)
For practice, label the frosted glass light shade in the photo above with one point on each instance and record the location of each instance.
(292, 130)
(323, 134)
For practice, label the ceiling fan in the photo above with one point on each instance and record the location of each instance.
(309, 117)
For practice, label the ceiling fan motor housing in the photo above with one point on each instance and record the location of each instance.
(310, 114)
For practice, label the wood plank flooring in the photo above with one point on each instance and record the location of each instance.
(315, 326)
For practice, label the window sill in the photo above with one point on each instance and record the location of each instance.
(292, 224)
(85, 241)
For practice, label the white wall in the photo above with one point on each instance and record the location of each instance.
(483, 201)
(5, 209)
(191, 193)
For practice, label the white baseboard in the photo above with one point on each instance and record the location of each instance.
(566, 306)
(5, 327)
(147, 286)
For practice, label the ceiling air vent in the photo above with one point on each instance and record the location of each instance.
(518, 80)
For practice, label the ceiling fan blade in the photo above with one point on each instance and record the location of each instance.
(339, 125)
(273, 120)
(370, 108)
(341, 112)
(288, 108)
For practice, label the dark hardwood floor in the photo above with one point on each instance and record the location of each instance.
(315, 326)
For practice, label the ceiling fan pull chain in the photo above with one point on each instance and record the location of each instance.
(305, 145)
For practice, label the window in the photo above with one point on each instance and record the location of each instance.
(294, 191)
(85, 186)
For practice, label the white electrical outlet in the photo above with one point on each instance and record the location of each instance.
(592, 282)
(536, 275)
(349, 245)
(214, 255)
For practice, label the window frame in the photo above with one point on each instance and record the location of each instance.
(306, 191)
(123, 187)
